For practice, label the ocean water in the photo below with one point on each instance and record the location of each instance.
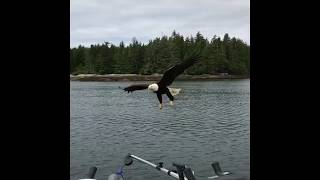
(210, 121)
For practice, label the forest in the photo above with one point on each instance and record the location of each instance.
(226, 55)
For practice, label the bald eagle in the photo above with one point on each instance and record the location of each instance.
(168, 77)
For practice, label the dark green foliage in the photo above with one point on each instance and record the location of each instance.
(229, 55)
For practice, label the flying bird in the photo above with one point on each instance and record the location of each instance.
(167, 79)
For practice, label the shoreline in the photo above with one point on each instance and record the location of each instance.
(154, 77)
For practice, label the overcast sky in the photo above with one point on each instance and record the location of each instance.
(98, 21)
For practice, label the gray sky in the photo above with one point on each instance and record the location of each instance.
(97, 21)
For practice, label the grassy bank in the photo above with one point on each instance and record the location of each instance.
(155, 77)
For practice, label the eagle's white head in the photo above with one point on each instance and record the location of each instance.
(154, 87)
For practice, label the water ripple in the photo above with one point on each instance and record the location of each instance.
(210, 121)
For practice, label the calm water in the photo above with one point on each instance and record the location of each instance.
(209, 122)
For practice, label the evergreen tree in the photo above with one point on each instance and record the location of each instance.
(230, 55)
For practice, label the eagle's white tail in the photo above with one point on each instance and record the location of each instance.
(174, 91)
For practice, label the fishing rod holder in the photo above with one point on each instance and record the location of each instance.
(217, 169)
(160, 165)
(184, 171)
(180, 170)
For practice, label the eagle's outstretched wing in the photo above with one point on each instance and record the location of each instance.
(136, 87)
(170, 75)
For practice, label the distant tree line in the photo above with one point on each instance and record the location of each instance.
(229, 55)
